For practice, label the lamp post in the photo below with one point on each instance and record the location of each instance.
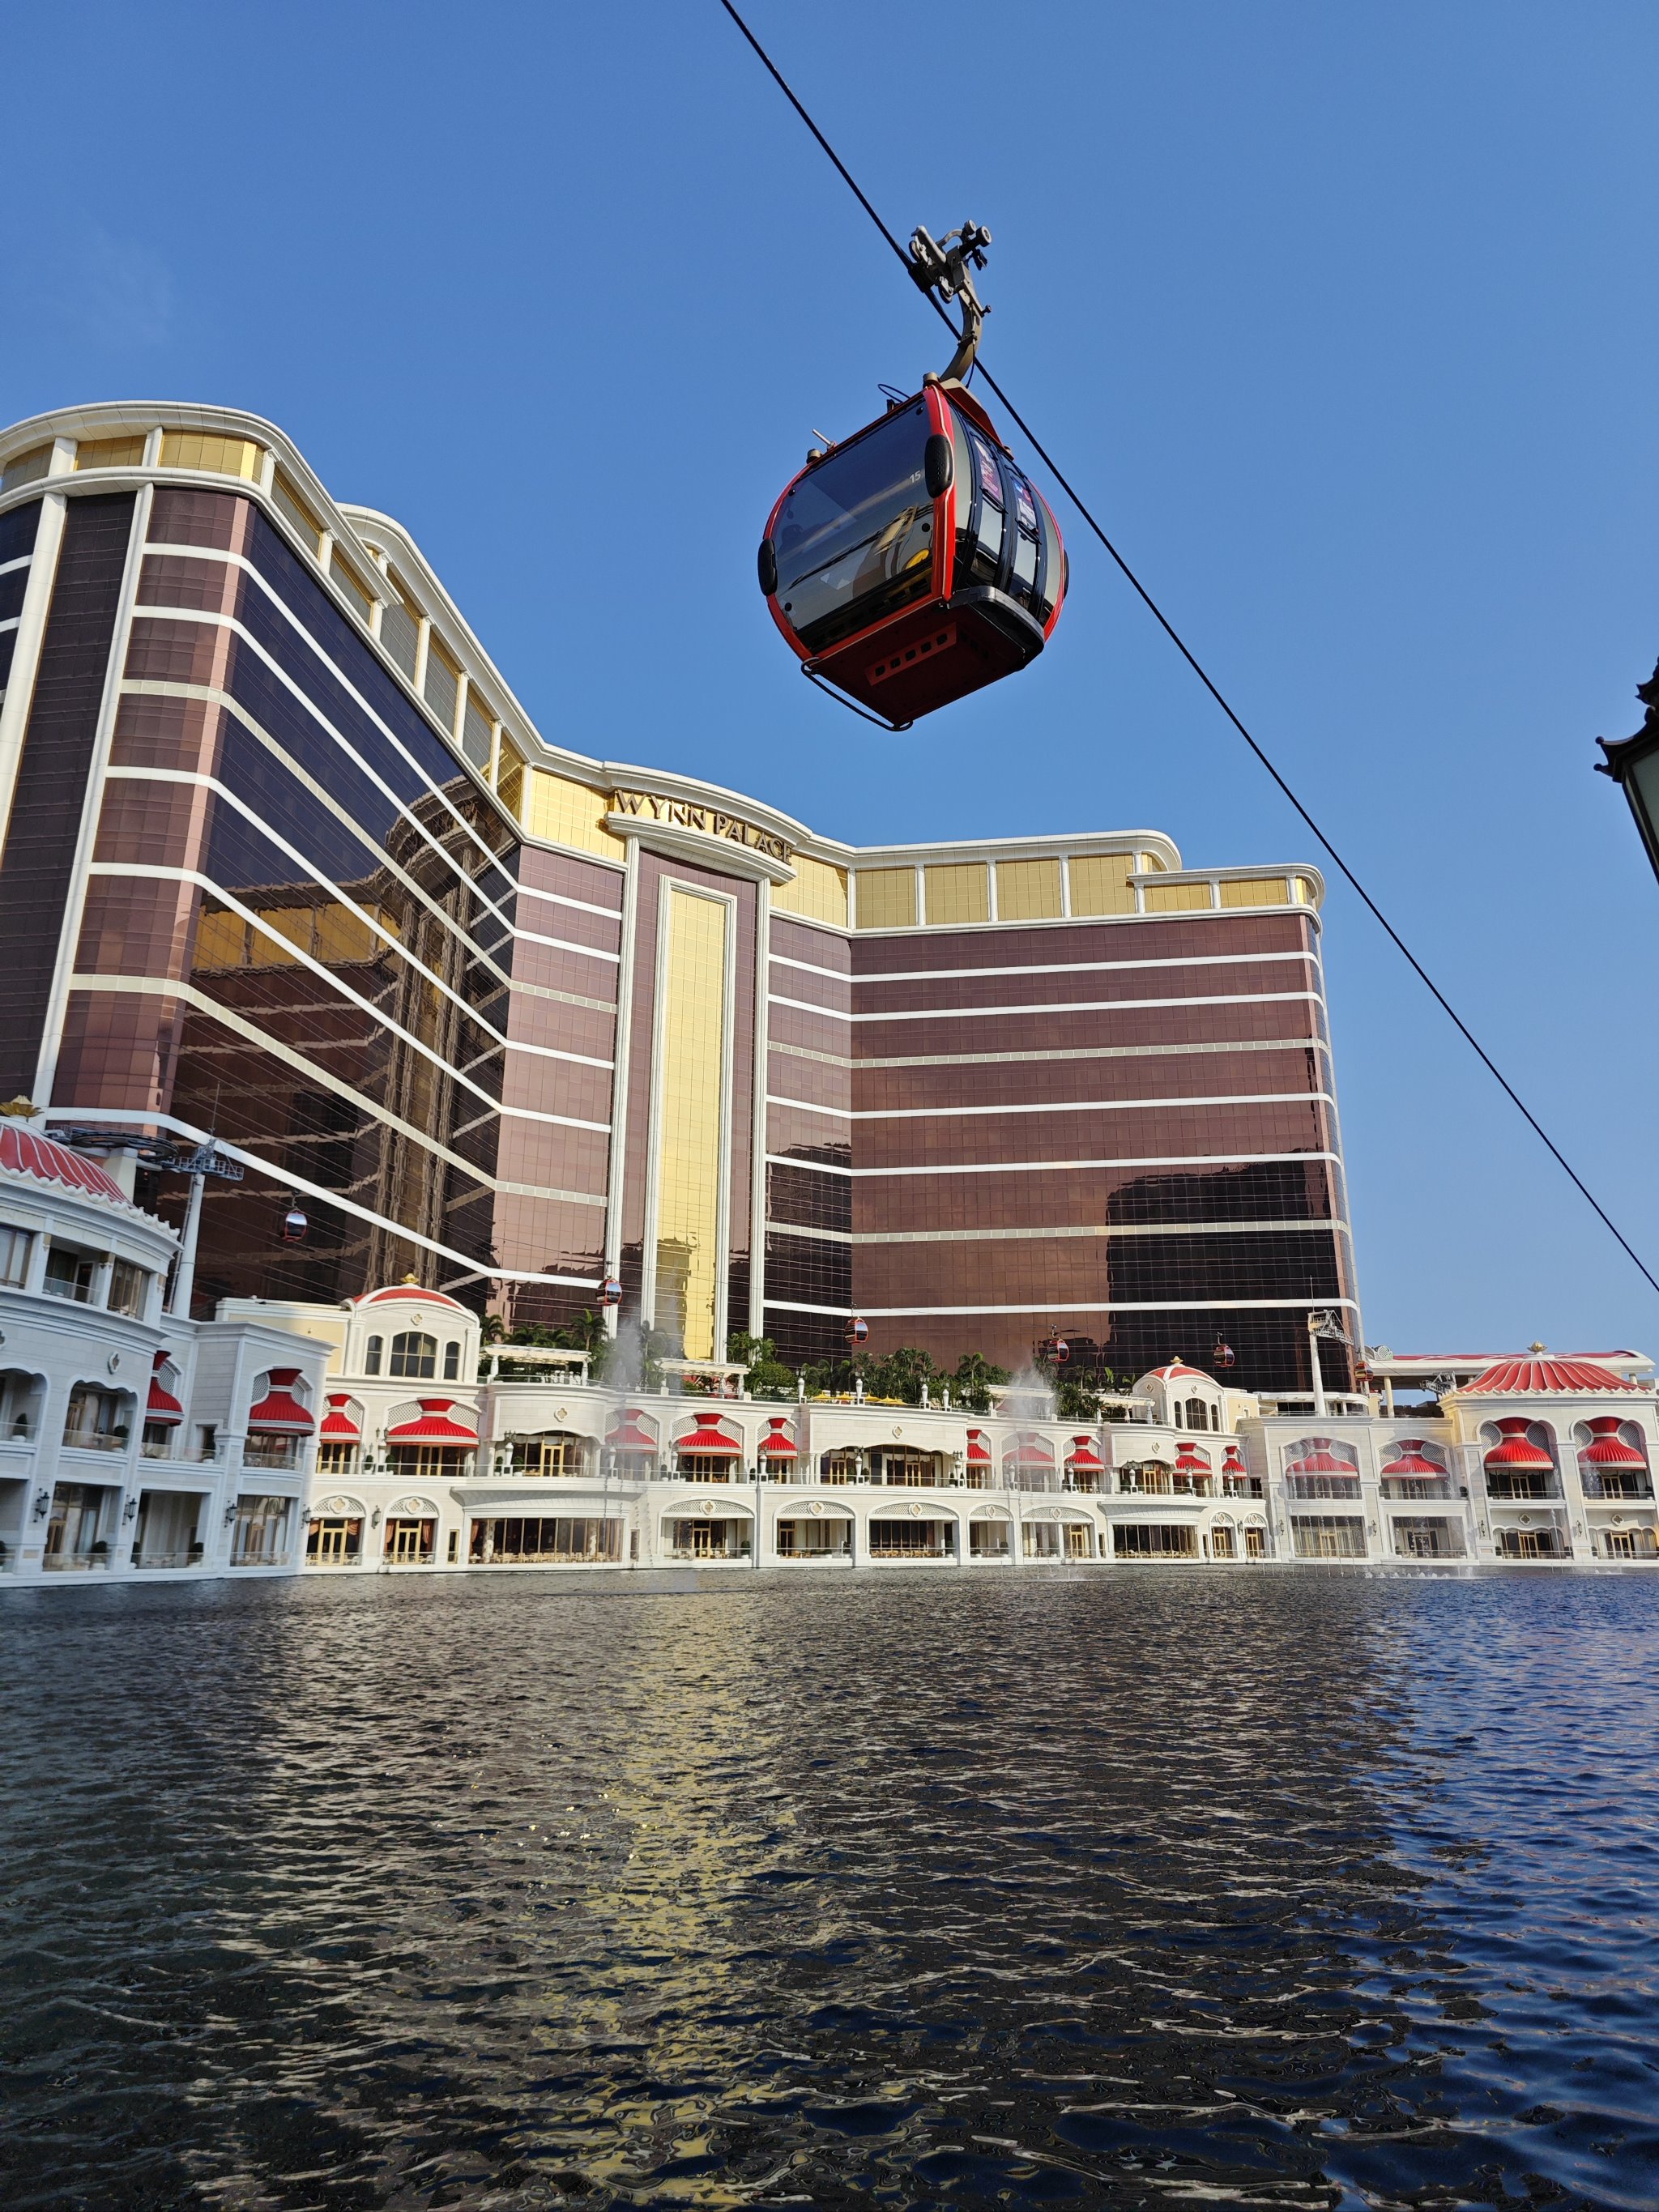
(1633, 763)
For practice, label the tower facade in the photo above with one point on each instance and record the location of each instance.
(286, 862)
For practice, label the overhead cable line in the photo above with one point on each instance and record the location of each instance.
(1203, 678)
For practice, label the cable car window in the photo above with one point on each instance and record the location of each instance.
(1027, 505)
(990, 475)
(854, 542)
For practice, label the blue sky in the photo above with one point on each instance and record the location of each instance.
(1344, 316)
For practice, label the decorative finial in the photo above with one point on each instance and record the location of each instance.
(411, 1282)
(1536, 1347)
(20, 1109)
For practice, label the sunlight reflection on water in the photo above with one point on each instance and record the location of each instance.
(1005, 1888)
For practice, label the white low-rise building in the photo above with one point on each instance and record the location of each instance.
(385, 1436)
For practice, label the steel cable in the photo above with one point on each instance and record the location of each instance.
(1205, 679)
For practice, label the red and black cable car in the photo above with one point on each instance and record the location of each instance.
(915, 563)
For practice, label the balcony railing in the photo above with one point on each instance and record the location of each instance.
(96, 1440)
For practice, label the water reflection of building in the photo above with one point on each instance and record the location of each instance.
(286, 860)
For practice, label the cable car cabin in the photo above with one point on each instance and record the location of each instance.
(914, 563)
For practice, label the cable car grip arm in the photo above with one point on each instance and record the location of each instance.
(946, 266)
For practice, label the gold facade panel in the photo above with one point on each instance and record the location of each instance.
(1303, 892)
(222, 457)
(26, 468)
(819, 891)
(690, 1101)
(566, 813)
(886, 898)
(1153, 864)
(1254, 890)
(1027, 890)
(1100, 882)
(1177, 898)
(958, 892)
(111, 453)
(355, 591)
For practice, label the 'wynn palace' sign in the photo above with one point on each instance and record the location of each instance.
(684, 814)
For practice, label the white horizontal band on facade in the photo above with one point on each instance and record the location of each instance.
(148, 986)
(209, 694)
(567, 945)
(1050, 1167)
(127, 871)
(20, 561)
(1050, 1053)
(1113, 1230)
(1136, 1305)
(1059, 1006)
(564, 898)
(1057, 1106)
(447, 739)
(10, 623)
(131, 1117)
(314, 874)
(407, 810)
(866, 981)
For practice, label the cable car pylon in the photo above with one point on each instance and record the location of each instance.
(912, 562)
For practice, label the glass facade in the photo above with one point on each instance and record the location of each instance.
(284, 864)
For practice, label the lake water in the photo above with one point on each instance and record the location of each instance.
(1139, 1888)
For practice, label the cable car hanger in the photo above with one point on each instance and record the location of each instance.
(914, 562)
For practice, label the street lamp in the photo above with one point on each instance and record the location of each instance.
(1634, 763)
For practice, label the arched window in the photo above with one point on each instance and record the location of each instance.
(414, 1356)
(1197, 1414)
(372, 1355)
(452, 1363)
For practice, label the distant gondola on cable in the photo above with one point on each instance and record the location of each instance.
(914, 562)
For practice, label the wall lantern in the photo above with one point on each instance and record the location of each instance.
(1633, 763)
(42, 1504)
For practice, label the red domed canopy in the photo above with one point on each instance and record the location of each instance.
(1541, 1376)
(1320, 1459)
(979, 1452)
(1517, 1450)
(1411, 1459)
(279, 1413)
(161, 1408)
(338, 1427)
(1029, 1451)
(709, 1441)
(627, 1436)
(26, 1151)
(1083, 1455)
(434, 1426)
(1190, 1460)
(1607, 1448)
(1232, 1460)
(777, 1443)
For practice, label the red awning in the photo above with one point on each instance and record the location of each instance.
(1190, 1460)
(709, 1441)
(1031, 1454)
(777, 1443)
(629, 1436)
(1411, 1460)
(1232, 1460)
(1083, 1455)
(1606, 1449)
(162, 1407)
(338, 1427)
(1321, 1460)
(979, 1452)
(1518, 1450)
(434, 1427)
(279, 1413)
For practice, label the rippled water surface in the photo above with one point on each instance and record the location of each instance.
(1142, 1888)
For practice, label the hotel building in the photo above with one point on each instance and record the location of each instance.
(286, 863)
